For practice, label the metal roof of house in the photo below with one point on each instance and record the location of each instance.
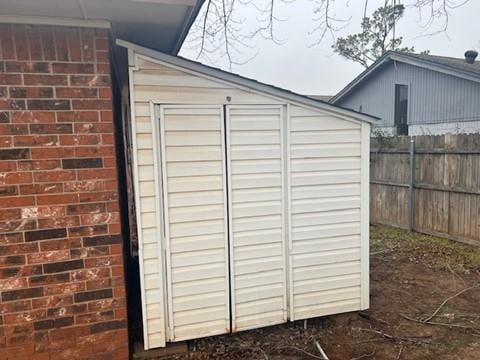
(448, 65)
(245, 82)
(160, 24)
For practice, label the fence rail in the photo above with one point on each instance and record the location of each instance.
(430, 184)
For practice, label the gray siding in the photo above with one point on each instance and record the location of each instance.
(434, 97)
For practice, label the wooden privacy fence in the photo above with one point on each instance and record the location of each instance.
(430, 184)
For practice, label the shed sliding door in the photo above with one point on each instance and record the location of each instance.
(194, 202)
(256, 211)
(225, 259)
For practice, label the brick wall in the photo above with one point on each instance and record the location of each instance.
(61, 267)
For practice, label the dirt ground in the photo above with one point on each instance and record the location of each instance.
(411, 275)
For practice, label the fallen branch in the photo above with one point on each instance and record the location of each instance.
(320, 350)
(365, 355)
(301, 350)
(366, 316)
(413, 339)
(447, 300)
(400, 352)
(406, 317)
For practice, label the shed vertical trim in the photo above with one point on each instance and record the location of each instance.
(131, 69)
(166, 226)
(289, 216)
(155, 119)
(229, 215)
(283, 121)
(365, 216)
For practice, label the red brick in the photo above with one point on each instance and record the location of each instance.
(47, 257)
(73, 68)
(49, 188)
(95, 174)
(91, 104)
(97, 151)
(90, 80)
(43, 79)
(70, 92)
(78, 116)
(50, 128)
(106, 116)
(27, 67)
(103, 68)
(36, 140)
(57, 199)
(5, 141)
(52, 153)
(102, 56)
(57, 175)
(13, 129)
(38, 212)
(8, 166)
(79, 139)
(11, 238)
(39, 165)
(59, 244)
(10, 104)
(16, 178)
(31, 92)
(105, 93)
(52, 301)
(94, 128)
(8, 190)
(13, 201)
(79, 186)
(10, 79)
(95, 219)
(33, 117)
(66, 221)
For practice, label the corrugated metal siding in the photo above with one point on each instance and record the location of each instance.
(434, 97)
(193, 167)
(325, 228)
(256, 194)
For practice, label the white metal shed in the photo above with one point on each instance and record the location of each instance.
(251, 201)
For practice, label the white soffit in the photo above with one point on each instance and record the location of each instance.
(161, 24)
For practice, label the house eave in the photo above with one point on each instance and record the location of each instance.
(404, 58)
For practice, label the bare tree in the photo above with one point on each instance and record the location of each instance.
(218, 29)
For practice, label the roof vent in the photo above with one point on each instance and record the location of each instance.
(470, 56)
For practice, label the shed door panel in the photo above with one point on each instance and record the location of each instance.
(324, 162)
(193, 163)
(256, 208)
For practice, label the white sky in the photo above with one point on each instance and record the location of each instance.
(300, 67)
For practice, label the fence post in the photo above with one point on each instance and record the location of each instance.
(411, 206)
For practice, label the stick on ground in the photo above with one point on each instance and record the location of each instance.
(427, 319)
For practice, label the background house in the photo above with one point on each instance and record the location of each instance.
(416, 94)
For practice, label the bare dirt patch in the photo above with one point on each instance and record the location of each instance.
(411, 274)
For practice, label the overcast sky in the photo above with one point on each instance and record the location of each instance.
(298, 66)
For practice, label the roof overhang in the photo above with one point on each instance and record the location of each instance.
(406, 59)
(243, 82)
(160, 24)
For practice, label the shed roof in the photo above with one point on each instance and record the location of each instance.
(245, 82)
(448, 65)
